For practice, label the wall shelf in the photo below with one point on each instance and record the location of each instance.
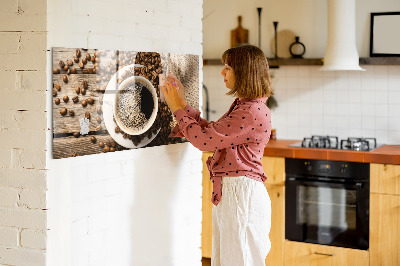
(275, 63)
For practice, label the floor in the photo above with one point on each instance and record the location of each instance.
(206, 261)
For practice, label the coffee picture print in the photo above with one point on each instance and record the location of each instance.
(110, 100)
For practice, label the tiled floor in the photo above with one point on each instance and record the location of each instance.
(206, 261)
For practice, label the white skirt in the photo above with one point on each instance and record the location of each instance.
(241, 223)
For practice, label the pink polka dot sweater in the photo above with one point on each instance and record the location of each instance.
(238, 139)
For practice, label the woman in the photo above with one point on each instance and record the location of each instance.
(242, 208)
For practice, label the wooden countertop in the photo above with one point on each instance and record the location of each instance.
(389, 154)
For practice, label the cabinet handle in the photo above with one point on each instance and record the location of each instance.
(325, 254)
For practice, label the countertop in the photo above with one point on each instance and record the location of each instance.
(389, 154)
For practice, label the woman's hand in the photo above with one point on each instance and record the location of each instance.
(173, 91)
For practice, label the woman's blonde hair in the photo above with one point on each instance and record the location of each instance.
(250, 66)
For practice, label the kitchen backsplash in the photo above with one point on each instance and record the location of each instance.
(314, 102)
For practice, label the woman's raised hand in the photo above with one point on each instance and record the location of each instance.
(173, 91)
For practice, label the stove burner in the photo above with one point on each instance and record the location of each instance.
(328, 142)
(332, 142)
(358, 144)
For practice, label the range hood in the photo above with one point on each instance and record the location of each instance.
(341, 51)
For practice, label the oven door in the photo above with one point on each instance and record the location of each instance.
(327, 213)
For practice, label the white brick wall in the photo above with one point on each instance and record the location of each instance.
(137, 207)
(22, 132)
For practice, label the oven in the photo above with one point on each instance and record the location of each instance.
(327, 202)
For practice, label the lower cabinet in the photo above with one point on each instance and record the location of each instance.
(277, 233)
(206, 226)
(385, 230)
(305, 254)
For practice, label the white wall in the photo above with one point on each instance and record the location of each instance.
(305, 18)
(136, 207)
(313, 102)
(344, 103)
(23, 132)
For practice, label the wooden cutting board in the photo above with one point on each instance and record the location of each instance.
(239, 35)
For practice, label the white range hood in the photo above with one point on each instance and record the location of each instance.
(341, 51)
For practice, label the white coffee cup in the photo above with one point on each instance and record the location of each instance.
(123, 86)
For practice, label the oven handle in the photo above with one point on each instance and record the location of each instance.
(357, 185)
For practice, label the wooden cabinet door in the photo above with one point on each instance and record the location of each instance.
(277, 233)
(385, 178)
(274, 168)
(305, 254)
(384, 236)
(206, 232)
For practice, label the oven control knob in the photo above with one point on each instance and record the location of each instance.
(343, 168)
(308, 166)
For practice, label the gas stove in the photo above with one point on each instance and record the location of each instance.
(332, 142)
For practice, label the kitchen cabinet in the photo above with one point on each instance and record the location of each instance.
(206, 226)
(274, 168)
(305, 254)
(385, 214)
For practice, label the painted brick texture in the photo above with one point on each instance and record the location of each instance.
(137, 207)
(23, 132)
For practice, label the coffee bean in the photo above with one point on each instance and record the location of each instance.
(101, 144)
(117, 129)
(90, 70)
(84, 103)
(78, 53)
(85, 84)
(87, 56)
(83, 91)
(76, 59)
(75, 99)
(92, 58)
(73, 70)
(63, 111)
(69, 62)
(85, 71)
(66, 68)
(87, 115)
(90, 100)
(68, 71)
(98, 128)
(112, 149)
(93, 139)
(65, 78)
(57, 87)
(76, 134)
(71, 112)
(84, 61)
(97, 60)
(57, 101)
(77, 90)
(80, 64)
(99, 109)
(54, 92)
(56, 71)
(62, 64)
(65, 98)
(98, 119)
(106, 148)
